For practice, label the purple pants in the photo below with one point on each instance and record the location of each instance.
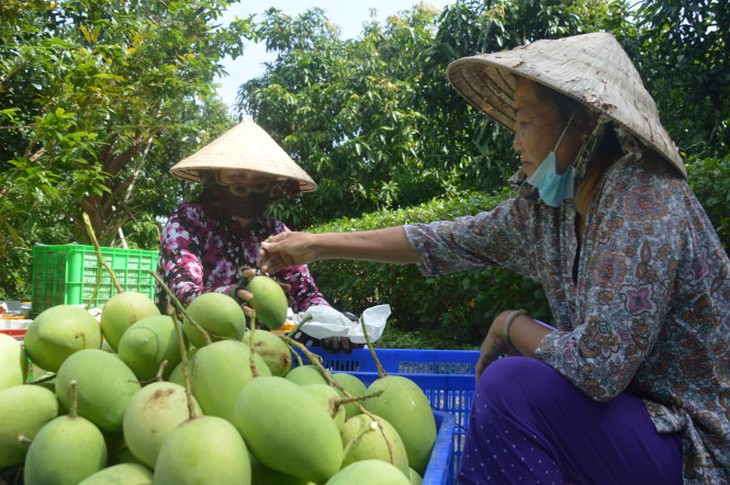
(530, 425)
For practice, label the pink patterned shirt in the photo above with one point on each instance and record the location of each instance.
(201, 249)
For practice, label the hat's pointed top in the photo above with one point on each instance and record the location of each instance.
(246, 146)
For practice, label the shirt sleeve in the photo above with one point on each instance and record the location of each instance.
(625, 284)
(501, 236)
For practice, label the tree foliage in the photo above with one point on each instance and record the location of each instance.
(374, 120)
(684, 48)
(99, 98)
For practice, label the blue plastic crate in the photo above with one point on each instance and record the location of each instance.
(438, 471)
(445, 376)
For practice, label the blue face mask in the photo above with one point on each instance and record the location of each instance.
(553, 187)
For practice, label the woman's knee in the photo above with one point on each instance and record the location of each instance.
(520, 381)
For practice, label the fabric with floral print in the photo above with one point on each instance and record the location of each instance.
(648, 311)
(202, 247)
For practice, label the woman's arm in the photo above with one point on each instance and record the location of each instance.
(389, 245)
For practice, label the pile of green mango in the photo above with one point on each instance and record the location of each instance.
(135, 398)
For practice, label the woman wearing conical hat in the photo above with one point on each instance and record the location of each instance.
(205, 243)
(630, 382)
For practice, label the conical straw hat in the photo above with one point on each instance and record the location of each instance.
(591, 68)
(246, 146)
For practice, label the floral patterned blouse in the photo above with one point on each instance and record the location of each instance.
(646, 310)
(201, 249)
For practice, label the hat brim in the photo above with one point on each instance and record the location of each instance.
(248, 147)
(592, 68)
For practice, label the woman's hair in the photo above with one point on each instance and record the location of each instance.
(608, 148)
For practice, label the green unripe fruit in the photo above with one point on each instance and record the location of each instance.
(121, 474)
(219, 371)
(105, 386)
(123, 310)
(404, 405)
(205, 449)
(354, 386)
(269, 301)
(147, 343)
(151, 415)
(287, 429)
(328, 397)
(416, 479)
(58, 332)
(368, 472)
(64, 452)
(218, 314)
(275, 352)
(24, 410)
(263, 475)
(366, 439)
(14, 362)
(305, 374)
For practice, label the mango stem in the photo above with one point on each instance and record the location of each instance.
(178, 306)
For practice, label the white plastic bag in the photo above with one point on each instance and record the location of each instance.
(324, 322)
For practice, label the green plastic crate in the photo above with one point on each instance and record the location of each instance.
(67, 274)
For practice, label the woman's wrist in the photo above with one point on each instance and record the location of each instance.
(508, 322)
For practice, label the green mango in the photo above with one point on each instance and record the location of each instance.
(58, 332)
(218, 314)
(269, 301)
(404, 405)
(123, 310)
(147, 343)
(121, 474)
(151, 415)
(287, 429)
(328, 397)
(125, 455)
(263, 475)
(176, 375)
(105, 386)
(369, 472)
(219, 371)
(416, 479)
(305, 374)
(65, 451)
(365, 438)
(352, 385)
(13, 362)
(203, 450)
(24, 410)
(275, 352)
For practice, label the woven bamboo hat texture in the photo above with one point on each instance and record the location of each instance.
(591, 68)
(246, 146)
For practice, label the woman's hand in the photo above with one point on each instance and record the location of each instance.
(244, 296)
(494, 344)
(284, 250)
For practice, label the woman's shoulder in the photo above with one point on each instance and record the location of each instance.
(648, 187)
(191, 214)
(649, 169)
